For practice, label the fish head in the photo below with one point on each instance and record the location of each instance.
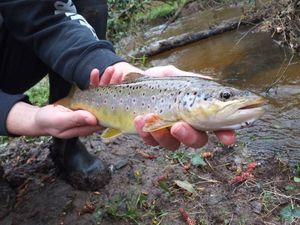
(220, 108)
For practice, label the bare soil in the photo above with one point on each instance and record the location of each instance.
(142, 189)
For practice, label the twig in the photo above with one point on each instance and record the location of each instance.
(281, 76)
(251, 29)
(186, 217)
(176, 15)
(205, 179)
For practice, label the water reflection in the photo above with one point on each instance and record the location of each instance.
(252, 61)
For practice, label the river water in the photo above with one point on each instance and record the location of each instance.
(252, 61)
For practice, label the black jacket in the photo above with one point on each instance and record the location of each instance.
(59, 37)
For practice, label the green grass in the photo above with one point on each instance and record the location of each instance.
(162, 10)
(39, 94)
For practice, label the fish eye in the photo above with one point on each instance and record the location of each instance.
(225, 95)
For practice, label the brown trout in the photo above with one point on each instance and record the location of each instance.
(202, 103)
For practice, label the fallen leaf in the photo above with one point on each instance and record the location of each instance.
(197, 160)
(185, 185)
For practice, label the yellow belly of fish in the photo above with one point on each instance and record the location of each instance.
(118, 119)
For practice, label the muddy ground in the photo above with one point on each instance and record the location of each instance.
(142, 189)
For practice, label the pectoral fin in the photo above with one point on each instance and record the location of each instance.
(110, 133)
(156, 123)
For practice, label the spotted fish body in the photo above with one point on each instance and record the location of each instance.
(204, 104)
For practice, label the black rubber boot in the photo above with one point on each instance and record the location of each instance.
(82, 170)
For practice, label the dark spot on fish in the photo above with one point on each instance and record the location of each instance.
(184, 103)
(175, 100)
(160, 111)
(195, 93)
(179, 92)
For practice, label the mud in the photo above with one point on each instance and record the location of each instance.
(134, 195)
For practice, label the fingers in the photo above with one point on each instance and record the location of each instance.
(116, 78)
(107, 75)
(94, 78)
(163, 136)
(165, 139)
(189, 136)
(180, 132)
(77, 119)
(227, 137)
(139, 123)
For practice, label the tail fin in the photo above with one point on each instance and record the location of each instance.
(66, 101)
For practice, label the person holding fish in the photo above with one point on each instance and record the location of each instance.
(66, 40)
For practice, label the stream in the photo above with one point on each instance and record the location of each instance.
(252, 61)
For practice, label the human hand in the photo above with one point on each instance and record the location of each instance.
(180, 132)
(170, 70)
(112, 74)
(54, 120)
(61, 122)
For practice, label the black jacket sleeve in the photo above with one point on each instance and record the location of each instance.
(59, 36)
(7, 101)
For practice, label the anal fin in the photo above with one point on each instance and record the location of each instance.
(110, 133)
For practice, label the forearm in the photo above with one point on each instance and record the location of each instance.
(21, 120)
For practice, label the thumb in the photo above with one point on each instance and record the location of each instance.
(67, 120)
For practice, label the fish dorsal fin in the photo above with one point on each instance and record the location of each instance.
(130, 77)
(66, 101)
(156, 123)
(110, 133)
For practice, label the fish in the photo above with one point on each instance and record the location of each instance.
(204, 104)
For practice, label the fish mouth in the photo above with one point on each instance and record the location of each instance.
(245, 114)
(258, 103)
